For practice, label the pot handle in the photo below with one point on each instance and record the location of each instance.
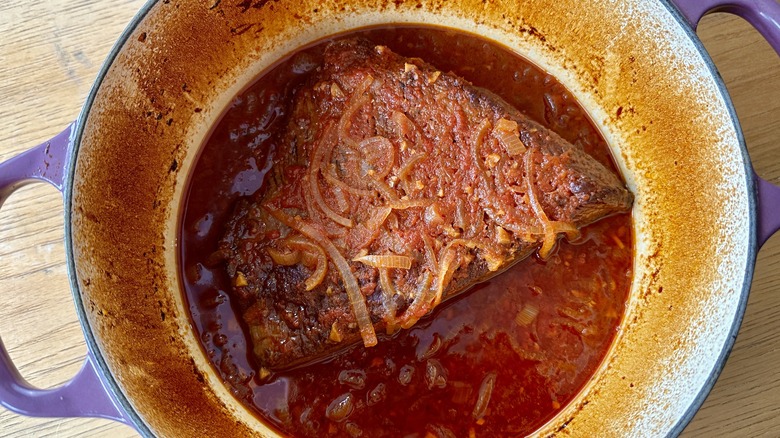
(764, 16)
(85, 395)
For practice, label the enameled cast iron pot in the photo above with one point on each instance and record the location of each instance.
(635, 65)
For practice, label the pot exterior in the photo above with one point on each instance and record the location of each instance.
(634, 66)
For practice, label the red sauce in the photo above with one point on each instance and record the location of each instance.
(434, 379)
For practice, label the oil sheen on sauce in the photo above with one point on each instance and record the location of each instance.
(500, 360)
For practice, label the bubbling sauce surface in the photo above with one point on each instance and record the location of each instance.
(499, 360)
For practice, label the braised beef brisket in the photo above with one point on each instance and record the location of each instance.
(396, 186)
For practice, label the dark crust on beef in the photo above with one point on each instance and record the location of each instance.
(288, 324)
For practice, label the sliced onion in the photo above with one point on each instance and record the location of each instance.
(389, 292)
(509, 136)
(574, 325)
(370, 146)
(332, 215)
(330, 175)
(506, 125)
(385, 261)
(314, 280)
(356, 298)
(318, 275)
(361, 239)
(485, 392)
(421, 303)
(492, 258)
(309, 259)
(369, 230)
(491, 197)
(445, 271)
(575, 314)
(378, 218)
(571, 230)
(385, 190)
(341, 199)
(328, 169)
(403, 204)
(476, 146)
(314, 185)
(358, 99)
(284, 258)
(305, 245)
(550, 234)
(518, 190)
(340, 408)
(512, 143)
(526, 315)
(548, 244)
(430, 255)
(404, 123)
(431, 216)
(509, 219)
(461, 216)
(315, 214)
(403, 172)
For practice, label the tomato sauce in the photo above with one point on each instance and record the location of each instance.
(499, 360)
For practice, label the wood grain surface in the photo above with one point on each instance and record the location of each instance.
(50, 52)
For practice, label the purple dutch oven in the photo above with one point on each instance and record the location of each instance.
(123, 165)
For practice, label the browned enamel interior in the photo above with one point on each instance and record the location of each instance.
(645, 85)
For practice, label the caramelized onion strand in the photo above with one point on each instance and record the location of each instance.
(317, 277)
(550, 235)
(385, 261)
(356, 298)
(314, 186)
(403, 172)
(367, 146)
(389, 293)
(485, 392)
(358, 99)
(284, 258)
(421, 303)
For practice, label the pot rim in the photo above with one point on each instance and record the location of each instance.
(104, 373)
(136, 420)
(753, 246)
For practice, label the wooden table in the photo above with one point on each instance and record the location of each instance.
(50, 52)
